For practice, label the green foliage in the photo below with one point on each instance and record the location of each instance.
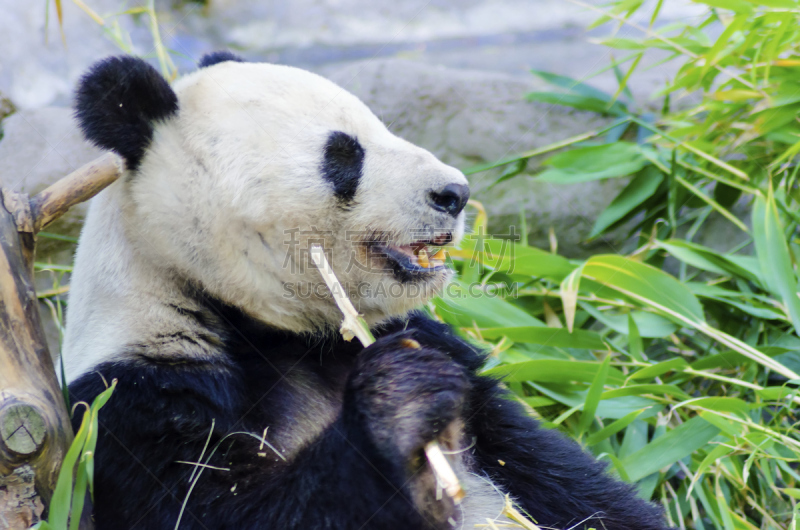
(69, 497)
(114, 30)
(688, 383)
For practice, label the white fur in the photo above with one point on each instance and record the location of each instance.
(483, 501)
(215, 198)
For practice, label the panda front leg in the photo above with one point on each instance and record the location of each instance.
(365, 471)
(554, 481)
(548, 475)
(368, 469)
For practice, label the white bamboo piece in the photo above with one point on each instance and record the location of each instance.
(355, 326)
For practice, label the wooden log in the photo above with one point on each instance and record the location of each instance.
(35, 430)
(34, 424)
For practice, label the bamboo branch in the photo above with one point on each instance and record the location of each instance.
(355, 326)
(352, 325)
(80, 185)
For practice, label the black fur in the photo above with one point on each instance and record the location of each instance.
(342, 164)
(118, 101)
(213, 58)
(357, 473)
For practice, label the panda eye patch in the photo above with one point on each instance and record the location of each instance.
(342, 164)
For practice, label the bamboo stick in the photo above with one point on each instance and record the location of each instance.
(80, 185)
(355, 326)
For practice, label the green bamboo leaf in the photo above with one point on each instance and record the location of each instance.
(792, 492)
(705, 258)
(473, 266)
(618, 466)
(777, 393)
(715, 454)
(738, 6)
(750, 305)
(689, 147)
(68, 501)
(703, 493)
(583, 164)
(638, 190)
(547, 148)
(736, 95)
(729, 427)
(649, 325)
(660, 291)
(772, 119)
(634, 340)
(515, 258)
(557, 337)
(638, 390)
(569, 296)
(635, 439)
(573, 85)
(723, 505)
(673, 365)
(719, 404)
(79, 493)
(623, 44)
(777, 4)
(61, 502)
(678, 443)
(787, 154)
(94, 431)
(539, 401)
(593, 396)
(554, 371)
(467, 305)
(623, 81)
(646, 284)
(512, 170)
(713, 55)
(773, 255)
(612, 428)
(577, 102)
(574, 395)
(711, 202)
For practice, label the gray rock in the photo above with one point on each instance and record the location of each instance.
(271, 25)
(511, 36)
(38, 68)
(470, 117)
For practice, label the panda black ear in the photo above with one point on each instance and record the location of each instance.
(117, 103)
(213, 58)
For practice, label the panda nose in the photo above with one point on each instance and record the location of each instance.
(450, 199)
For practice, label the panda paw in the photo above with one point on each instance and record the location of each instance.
(405, 395)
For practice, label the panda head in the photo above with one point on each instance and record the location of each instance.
(238, 168)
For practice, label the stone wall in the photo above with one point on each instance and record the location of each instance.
(449, 75)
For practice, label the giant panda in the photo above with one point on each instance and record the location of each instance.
(238, 403)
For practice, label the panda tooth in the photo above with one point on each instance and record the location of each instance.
(422, 258)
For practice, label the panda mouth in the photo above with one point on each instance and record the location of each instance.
(420, 259)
